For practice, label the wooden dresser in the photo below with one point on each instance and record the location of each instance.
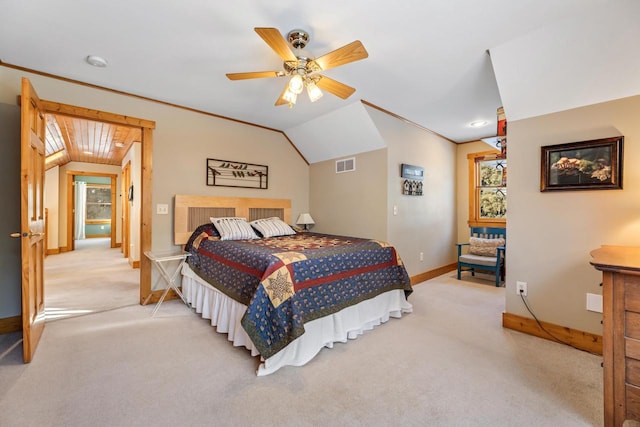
(620, 266)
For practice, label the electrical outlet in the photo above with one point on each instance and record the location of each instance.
(521, 288)
(421, 256)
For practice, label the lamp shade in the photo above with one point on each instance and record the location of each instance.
(305, 219)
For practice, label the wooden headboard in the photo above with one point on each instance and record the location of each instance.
(192, 211)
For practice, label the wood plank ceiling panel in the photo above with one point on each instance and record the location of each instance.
(81, 140)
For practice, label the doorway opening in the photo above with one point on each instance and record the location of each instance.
(101, 276)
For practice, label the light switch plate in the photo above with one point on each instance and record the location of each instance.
(162, 209)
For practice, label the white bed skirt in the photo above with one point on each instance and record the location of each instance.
(225, 314)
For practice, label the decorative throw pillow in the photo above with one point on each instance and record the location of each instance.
(233, 228)
(272, 227)
(484, 247)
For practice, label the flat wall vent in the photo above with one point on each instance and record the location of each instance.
(346, 165)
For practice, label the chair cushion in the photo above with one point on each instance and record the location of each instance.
(484, 247)
(478, 260)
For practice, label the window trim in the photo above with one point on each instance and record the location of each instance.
(110, 203)
(474, 191)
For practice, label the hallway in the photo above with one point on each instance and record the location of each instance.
(91, 279)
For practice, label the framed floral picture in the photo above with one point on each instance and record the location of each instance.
(585, 165)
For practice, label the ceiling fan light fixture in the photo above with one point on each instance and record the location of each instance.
(313, 91)
(296, 84)
(290, 97)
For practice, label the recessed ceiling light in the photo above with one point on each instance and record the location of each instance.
(97, 61)
(119, 144)
(478, 123)
(90, 153)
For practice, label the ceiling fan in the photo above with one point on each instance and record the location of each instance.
(303, 68)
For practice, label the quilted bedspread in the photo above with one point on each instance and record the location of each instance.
(289, 280)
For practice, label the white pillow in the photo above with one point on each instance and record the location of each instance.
(272, 227)
(233, 228)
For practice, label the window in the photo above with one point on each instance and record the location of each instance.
(487, 190)
(98, 204)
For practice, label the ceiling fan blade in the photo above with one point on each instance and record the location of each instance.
(254, 75)
(275, 40)
(281, 100)
(354, 51)
(340, 90)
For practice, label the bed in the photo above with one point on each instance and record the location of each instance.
(284, 297)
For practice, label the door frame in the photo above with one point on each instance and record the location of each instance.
(71, 206)
(146, 127)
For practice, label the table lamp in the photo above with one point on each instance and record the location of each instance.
(305, 219)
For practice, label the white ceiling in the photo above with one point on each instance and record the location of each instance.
(428, 60)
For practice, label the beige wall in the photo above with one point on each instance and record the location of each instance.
(182, 141)
(551, 234)
(362, 203)
(423, 224)
(350, 203)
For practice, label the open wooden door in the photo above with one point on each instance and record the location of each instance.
(32, 218)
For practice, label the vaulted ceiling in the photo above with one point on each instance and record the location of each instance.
(439, 64)
(70, 139)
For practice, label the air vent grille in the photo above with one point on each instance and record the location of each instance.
(346, 165)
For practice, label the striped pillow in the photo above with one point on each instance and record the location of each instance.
(272, 227)
(233, 228)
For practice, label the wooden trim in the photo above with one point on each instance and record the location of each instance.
(474, 220)
(96, 236)
(10, 324)
(97, 221)
(583, 340)
(422, 277)
(132, 121)
(146, 212)
(55, 251)
(147, 127)
(71, 194)
(295, 148)
(135, 264)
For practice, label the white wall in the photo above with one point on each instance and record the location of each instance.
(551, 234)
(52, 204)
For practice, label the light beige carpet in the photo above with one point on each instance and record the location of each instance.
(90, 279)
(449, 363)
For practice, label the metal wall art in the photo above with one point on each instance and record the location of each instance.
(225, 173)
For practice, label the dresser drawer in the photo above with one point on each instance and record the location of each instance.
(632, 293)
(633, 402)
(632, 325)
(632, 371)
